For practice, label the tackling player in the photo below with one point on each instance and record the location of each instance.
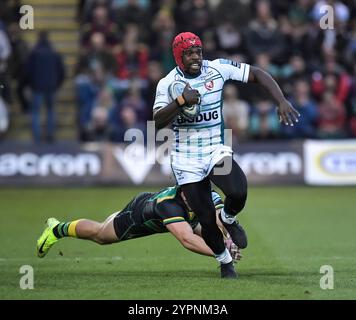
(198, 148)
(148, 213)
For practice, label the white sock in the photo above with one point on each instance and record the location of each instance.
(224, 257)
(226, 217)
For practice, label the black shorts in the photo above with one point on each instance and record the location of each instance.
(128, 223)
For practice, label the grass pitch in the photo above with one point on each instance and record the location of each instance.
(293, 231)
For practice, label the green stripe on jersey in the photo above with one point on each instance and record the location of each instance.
(199, 127)
(165, 194)
(200, 144)
(197, 154)
(210, 104)
(173, 219)
(209, 109)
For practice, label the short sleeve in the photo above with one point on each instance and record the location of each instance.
(170, 212)
(162, 97)
(232, 70)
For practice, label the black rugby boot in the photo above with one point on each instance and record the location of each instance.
(228, 270)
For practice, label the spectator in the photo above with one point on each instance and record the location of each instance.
(229, 38)
(263, 61)
(163, 31)
(97, 55)
(351, 105)
(132, 57)
(194, 16)
(294, 69)
(338, 83)
(99, 127)
(350, 51)
(299, 12)
(4, 118)
(342, 12)
(240, 16)
(302, 102)
(86, 7)
(5, 51)
(121, 122)
(102, 23)
(126, 43)
(45, 74)
(332, 116)
(130, 113)
(10, 11)
(263, 35)
(144, 4)
(236, 113)
(155, 73)
(131, 12)
(295, 26)
(88, 87)
(17, 63)
(211, 51)
(263, 121)
(133, 99)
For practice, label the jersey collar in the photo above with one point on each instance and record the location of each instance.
(186, 75)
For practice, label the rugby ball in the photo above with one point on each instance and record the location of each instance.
(175, 89)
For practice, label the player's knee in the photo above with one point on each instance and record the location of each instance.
(102, 240)
(237, 199)
(101, 237)
(240, 199)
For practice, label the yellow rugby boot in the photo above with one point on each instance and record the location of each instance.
(47, 239)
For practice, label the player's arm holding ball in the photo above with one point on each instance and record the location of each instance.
(164, 115)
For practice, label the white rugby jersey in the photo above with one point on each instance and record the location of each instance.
(199, 137)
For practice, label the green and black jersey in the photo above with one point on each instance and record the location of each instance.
(149, 213)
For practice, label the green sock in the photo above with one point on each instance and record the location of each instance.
(61, 230)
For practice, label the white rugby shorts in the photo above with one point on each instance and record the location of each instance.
(188, 170)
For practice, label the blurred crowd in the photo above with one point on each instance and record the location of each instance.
(28, 76)
(125, 49)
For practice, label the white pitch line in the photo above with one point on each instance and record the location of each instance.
(316, 258)
(115, 258)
